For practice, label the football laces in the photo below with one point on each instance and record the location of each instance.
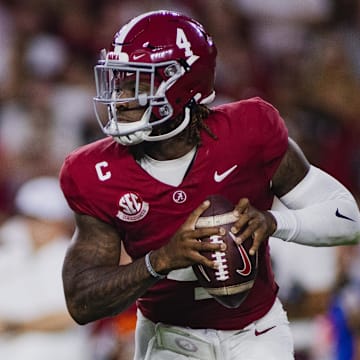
(222, 273)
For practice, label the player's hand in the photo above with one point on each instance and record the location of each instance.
(184, 248)
(258, 225)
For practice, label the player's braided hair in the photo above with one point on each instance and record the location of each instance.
(198, 114)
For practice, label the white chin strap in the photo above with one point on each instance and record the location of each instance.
(144, 135)
(135, 131)
(131, 139)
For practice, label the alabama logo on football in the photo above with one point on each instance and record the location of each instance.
(132, 207)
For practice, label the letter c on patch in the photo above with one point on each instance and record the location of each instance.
(101, 173)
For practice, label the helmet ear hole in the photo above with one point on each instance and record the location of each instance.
(172, 70)
(164, 110)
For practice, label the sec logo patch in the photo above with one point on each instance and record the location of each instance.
(132, 207)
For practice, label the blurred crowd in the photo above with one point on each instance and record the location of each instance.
(301, 55)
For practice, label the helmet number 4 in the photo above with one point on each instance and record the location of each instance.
(182, 42)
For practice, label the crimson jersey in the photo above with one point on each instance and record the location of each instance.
(104, 181)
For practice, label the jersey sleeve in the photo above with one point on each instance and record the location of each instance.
(274, 136)
(72, 192)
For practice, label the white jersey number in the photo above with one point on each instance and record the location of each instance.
(183, 43)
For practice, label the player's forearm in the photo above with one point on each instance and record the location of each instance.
(318, 212)
(320, 225)
(105, 291)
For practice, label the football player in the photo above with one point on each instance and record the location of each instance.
(145, 185)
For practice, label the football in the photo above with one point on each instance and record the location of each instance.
(232, 281)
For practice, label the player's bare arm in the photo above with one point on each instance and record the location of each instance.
(96, 285)
(292, 169)
(261, 224)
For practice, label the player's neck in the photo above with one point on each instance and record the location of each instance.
(169, 149)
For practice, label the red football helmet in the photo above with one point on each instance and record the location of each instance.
(169, 61)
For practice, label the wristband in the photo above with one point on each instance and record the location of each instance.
(150, 269)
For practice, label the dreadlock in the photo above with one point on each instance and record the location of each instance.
(198, 114)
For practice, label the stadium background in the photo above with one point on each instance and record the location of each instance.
(301, 55)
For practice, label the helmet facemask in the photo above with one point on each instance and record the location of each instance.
(148, 91)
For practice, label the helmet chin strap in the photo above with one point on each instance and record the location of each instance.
(131, 139)
(144, 135)
(135, 137)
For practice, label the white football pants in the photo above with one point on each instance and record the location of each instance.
(267, 338)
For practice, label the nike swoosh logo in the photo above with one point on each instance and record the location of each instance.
(339, 215)
(257, 333)
(246, 270)
(220, 177)
(137, 57)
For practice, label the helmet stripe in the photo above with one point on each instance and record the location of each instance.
(124, 31)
